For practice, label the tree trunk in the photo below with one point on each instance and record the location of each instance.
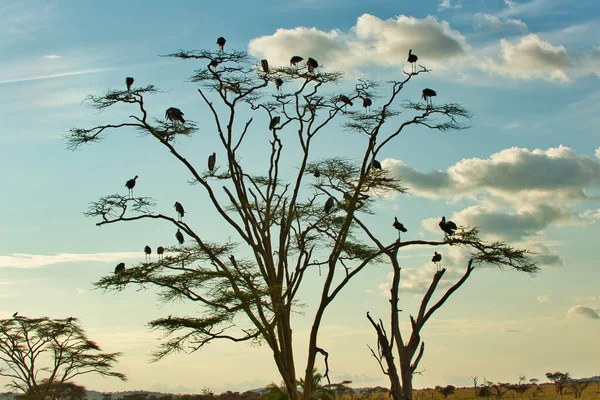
(407, 376)
(286, 365)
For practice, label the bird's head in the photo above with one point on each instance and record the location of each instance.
(135, 178)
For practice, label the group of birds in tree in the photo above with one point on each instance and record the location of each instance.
(148, 252)
(449, 228)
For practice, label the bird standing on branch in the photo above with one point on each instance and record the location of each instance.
(148, 251)
(295, 60)
(274, 122)
(346, 100)
(120, 268)
(278, 83)
(399, 226)
(221, 43)
(180, 211)
(174, 114)
(160, 251)
(447, 226)
(328, 205)
(265, 66)
(428, 94)
(129, 83)
(212, 160)
(311, 64)
(376, 164)
(179, 237)
(437, 260)
(412, 58)
(367, 103)
(130, 184)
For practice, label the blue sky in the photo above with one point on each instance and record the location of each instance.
(528, 171)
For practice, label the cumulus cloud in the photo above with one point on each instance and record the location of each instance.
(531, 58)
(544, 299)
(493, 23)
(584, 312)
(371, 42)
(17, 260)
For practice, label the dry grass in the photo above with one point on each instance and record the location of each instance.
(548, 393)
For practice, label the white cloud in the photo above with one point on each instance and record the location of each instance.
(371, 42)
(544, 299)
(489, 22)
(51, 57)
(533, 7)
(531, 58)
(80, 291)
(18, 260)
(447, 4)
(584, 312)
(53, 75)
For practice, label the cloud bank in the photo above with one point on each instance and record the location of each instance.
(18, 260)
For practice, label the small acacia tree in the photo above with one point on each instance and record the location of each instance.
(560, 380)
(42, 355)
(276, 221)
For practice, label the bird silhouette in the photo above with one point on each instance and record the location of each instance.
(264, 65)
(179, 237)
(346, 100)
(180, 210)
(399, 226)
(213, 64)
(130, 184)
(274, 122)
(428, 94)
(311, 64)
(447, 226)
(412, 58)
(328, 205)
(278, 83)
(129, 82)
(367, 102)
(174, 114)
(316, 174)
(148, 251)
(295, 60)
(221, 43)
(15, 314)
(376, 164)
(437, 259)
(212, 160)
(120, 268)
(160, 251)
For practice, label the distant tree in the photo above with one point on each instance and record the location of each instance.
(272, 215)
(67, 353)
(521, 387)
(577, 387)
(446, 390)
(275, 392)
(560, 381)
(475, 387)
(535, 391)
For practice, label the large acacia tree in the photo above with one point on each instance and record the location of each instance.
(280, 229)
(41, 356)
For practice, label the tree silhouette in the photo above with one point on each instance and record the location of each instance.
(277, 222)
(560, 381)
(71, 353)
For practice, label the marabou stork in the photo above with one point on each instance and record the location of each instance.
(265, 66)
(311, 64)
(129, 82)
(148, 251)
(437, 259)
(212, 160)
(399, 226)
(179, 237)
(130, 184)
(120, 268)
(447, 226)
(328, 205)
(221, 43)
(174, 114)
(179, 209)
(428, 94)
(295, 60)
(412, 58)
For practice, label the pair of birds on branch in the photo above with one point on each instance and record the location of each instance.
(172, 114)
(148, 251)
(449, 227)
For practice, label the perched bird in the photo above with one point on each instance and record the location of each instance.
(212, 160)
(160, 251)
(376, 164)
(221, 42)
(174, 114)
(274, 122)
(447, 226)
(437, 259)
(311, 64)
(328, 205)
(278, 83)
(428, 94)
(15, 314)
(399, 226)
(130, 184)
(148, 251)
(265, 66)
(180, 210)
(120, 268)
(367, 102)
(295, 60)
(316, 174)
(129, 83)
(346, 100)
(213, 63)
(412, 58)
(347, 196)
(179, 237)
